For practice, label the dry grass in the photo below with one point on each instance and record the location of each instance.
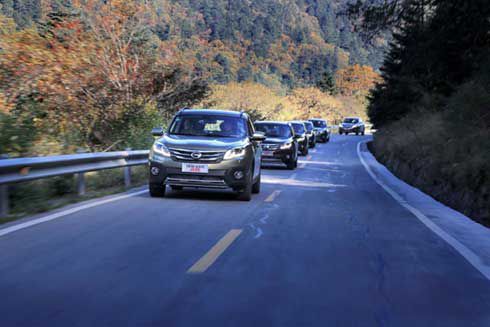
(446, 159)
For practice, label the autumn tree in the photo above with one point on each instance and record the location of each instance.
(356, 80)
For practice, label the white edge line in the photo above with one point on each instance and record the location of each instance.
(57, 215)
(469, 255)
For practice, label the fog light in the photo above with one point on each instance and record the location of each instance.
(238, 174)
(155, 171)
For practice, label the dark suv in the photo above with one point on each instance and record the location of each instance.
(302, 136)
(310, 131)
(207, 149)
(322, 130)
(280, 143)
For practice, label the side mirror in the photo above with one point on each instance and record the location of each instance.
(258, 137)
(157, 131)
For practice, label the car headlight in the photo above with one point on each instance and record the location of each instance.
(161, 149)
(234, 153)
(286, 146)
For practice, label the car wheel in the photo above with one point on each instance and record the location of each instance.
(176, 188)
(328, 139)
(256, 186)
(362, 133)
(291, 164)
(357, 133)
(340, 132)
(246, 193)
(157, 191)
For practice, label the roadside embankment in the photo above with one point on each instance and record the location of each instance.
(447, 160)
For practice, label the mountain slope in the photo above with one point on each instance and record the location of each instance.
(270, 41)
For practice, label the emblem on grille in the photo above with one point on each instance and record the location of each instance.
(196, 155)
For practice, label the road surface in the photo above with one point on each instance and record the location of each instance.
(324, 245)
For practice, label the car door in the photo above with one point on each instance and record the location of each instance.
(257, 149)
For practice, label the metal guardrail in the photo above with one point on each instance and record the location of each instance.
(27, 169)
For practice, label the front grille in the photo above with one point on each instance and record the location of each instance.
(270, 147)
(205, 156)
(200, 181)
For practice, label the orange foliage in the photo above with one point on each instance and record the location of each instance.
(356, 79)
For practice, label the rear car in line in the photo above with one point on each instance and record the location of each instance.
(352, 125)
(211, 149)
(302, 137)
(322, 130)
(281, 143)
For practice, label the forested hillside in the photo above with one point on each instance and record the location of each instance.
(269, 41)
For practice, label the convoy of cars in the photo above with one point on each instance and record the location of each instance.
(218, 149)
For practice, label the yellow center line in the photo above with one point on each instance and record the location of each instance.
(213, 254)
(273, 196)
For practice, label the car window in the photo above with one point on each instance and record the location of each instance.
(209, 126)
(298, 128)
(319, 123)
(309, 126)
(351, 121)
(274, 130)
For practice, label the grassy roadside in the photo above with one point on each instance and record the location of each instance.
(44, 195)
(444, 161)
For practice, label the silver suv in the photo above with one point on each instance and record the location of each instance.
(212, 149)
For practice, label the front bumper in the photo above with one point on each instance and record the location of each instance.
(220, 175)
(278, 156)
(349, 130)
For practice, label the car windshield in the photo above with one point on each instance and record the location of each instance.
(319, 123)
(274, 130)
(298, 128)
(208, 126)
(309, 126)
(351, 120)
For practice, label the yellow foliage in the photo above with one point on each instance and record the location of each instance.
(276, 104)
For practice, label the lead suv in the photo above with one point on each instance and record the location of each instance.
(211, 149)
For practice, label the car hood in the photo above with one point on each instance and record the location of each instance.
(202, 143)
(276, 140)
(348, 125)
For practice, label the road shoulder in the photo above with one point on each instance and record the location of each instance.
(467, 237)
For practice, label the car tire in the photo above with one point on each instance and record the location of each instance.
(305, 150)
(357, 133)
(340, 132)
(363, 132)
(328, 139)
(256, 186)
(246, 193)
(291, 164)
(157, 191)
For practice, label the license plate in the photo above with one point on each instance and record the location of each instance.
(268, 153)
(194, 168)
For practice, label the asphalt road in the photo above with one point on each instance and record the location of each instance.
(320, 246)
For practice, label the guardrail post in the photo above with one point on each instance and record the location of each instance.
(4, 195)
(81, 183)
(127, 174)
(81, 178)
(4, 201)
